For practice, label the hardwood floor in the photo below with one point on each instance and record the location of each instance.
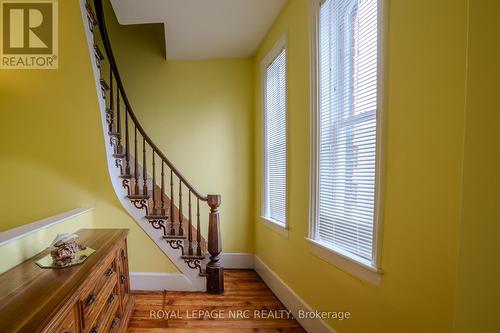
(246, 306)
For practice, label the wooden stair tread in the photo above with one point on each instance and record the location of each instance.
(157, 217)
(138, 196)
(90, 13)
(174, 237)
(193, 256)
(104, 85)
(98, 52)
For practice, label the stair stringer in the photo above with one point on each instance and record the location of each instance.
(193, 280)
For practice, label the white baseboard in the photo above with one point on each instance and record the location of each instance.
(289, 298)
(159, 281)
(237, 260)
(179, 282)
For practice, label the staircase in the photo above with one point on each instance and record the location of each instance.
(152, 190)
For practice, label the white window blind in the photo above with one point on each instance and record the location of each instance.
(275, 139)
(347, 78)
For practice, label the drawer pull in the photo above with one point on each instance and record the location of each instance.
(123, 255)
(111, 298)
(114, 322)
(95, 329)
(109, 272)
(122, 278)
(91, 299)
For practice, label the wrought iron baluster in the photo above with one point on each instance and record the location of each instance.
(162, 196)
(111, 111)
(136, 164)
(190, 228)
(144, 169)
(118, 124)
(111, 101)
(127, 145)
(198, 230)
(172, 215)
(154, 185)
(181, 230)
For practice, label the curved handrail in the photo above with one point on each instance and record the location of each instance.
(111, 58)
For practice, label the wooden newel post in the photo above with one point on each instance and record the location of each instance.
(215, 271)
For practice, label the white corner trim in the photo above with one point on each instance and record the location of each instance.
(160, 281)
(280, 44)
(17, 233)
(362, 270)
(290, 299)
(313, 114)
(238, 260)
(280, 229)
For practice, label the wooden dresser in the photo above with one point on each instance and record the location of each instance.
(91, 298)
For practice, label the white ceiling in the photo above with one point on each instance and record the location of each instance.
(204, 29)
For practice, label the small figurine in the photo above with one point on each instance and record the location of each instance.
(64, 248)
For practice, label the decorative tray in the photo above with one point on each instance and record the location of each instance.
(81, 256)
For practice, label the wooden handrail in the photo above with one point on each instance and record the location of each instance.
(114, 68)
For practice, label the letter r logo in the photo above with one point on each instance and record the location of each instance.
(27, 27)
(18, 28)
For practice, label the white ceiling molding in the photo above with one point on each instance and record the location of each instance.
(204, 29)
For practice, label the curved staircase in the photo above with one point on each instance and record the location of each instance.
(152, 190)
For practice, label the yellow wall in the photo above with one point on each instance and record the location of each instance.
(425, 130)
(478, 287)
(200, 114)
(52, 148)
(19, 250)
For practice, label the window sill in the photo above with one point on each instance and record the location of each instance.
(275, 226)
(362, 270)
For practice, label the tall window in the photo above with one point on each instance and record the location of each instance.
(275, 138)
(346, 132)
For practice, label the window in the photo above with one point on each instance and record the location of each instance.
(275, 135)
(346, 129)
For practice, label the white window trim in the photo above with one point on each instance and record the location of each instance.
(280, 228)
(275, 226)
(368, 271)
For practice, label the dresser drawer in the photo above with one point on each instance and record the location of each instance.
(115, 322)
(68, 323)
(123, 272)
(97, 291)
(107, 313)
